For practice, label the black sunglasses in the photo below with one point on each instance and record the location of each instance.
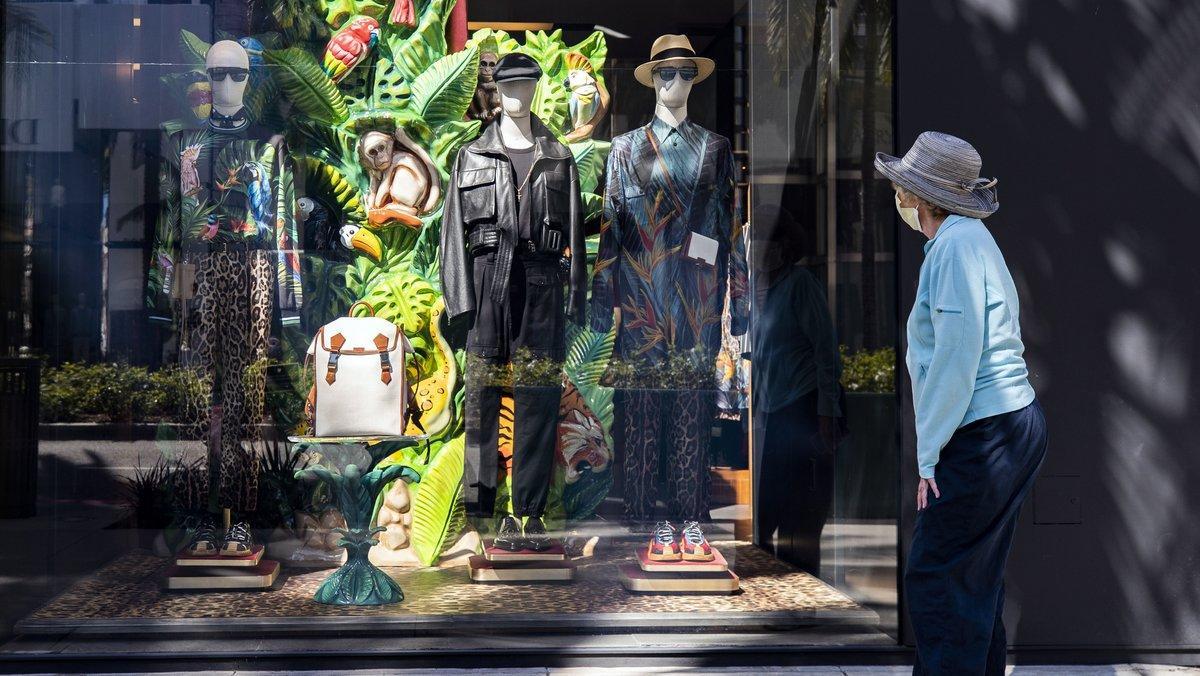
(687, 73)
(238, 74)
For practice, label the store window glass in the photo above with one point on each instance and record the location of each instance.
(421, 310)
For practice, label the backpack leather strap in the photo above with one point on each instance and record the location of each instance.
(385, 361)
(336, 341)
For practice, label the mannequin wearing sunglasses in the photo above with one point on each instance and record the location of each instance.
(228, 68)
(669, 247)
(224, 260)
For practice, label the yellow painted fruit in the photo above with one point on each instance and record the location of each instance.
(199, 97)
(435, 392)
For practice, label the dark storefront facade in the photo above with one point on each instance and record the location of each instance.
(171, 396)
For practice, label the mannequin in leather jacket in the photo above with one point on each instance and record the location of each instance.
(505, 238)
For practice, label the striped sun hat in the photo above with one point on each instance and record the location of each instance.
(944, 171)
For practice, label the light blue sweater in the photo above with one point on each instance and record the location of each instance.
(964, 337)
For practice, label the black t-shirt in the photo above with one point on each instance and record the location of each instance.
(522, 163)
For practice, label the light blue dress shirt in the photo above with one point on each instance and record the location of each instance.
(964, 337)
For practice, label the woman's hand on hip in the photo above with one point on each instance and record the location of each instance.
(924, 486)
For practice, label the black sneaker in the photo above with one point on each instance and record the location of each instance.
(536, 537)
(508, 535)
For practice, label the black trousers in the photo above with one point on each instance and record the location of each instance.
(793, 479)
(954, 580)
(534, 318)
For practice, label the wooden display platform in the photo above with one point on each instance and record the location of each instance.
(717, 565)
(497, 555)
(634, 579)
(217, 561)
(483, 570)
(261, 576)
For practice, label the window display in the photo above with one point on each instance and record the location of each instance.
(434, 308)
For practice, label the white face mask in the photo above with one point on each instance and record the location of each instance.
(908, 215)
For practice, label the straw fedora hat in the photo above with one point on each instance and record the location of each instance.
(943, 170)
(672, 48)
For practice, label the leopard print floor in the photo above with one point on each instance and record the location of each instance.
(129, 588)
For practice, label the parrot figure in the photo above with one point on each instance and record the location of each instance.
(210, 228)
(254, 49)
(350, 46)
(258, 190)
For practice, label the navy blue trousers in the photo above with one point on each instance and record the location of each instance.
(954, 580)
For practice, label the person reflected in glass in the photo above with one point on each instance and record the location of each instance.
(981, 433)
(796, 398)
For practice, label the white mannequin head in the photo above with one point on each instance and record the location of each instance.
(516, 96)
(227, 63)
(672, 93)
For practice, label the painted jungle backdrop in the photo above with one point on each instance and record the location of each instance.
(336, 71)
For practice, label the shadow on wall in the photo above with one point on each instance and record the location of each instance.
(1087, 112)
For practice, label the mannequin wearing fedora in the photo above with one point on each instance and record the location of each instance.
(981, 433)
(513, 214)
(670, 246)
(219, 191)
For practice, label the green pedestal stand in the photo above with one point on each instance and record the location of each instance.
(358, 582)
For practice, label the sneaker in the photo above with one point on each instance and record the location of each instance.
(508, 535)
(536, 537)
(204, 538)
(693, 544)
(663, 547)
(238, 540)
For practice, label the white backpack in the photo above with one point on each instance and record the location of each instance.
(360, 387)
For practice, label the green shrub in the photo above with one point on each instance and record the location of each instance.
(116, 393)
(869, 370)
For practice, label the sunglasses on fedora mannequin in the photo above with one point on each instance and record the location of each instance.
(238, 74)
(668, 73)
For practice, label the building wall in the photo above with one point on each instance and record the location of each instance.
(1087, 112)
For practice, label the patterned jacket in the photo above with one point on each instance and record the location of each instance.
(224, 191)
(663, 184)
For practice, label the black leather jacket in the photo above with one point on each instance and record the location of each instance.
(482, 200)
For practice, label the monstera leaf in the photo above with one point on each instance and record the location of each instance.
(497, 42)
(326, 181)
(547, 50)
(590, 157)
(307, 85)
(443, 93)
(550, 103)
(356, 90)
(438, 509)
(403, 298)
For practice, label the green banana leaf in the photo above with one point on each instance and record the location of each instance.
(326, 181)
(437, 505)
(590, 158)
(332, 145)
(407, 56)
(593, 206)
(450, 137)
(443, 93)
(307, 85)
(194, 48)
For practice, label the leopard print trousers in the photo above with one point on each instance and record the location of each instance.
(229, 349)
(686, 419)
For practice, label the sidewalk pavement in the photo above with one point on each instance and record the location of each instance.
(1050, 670)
